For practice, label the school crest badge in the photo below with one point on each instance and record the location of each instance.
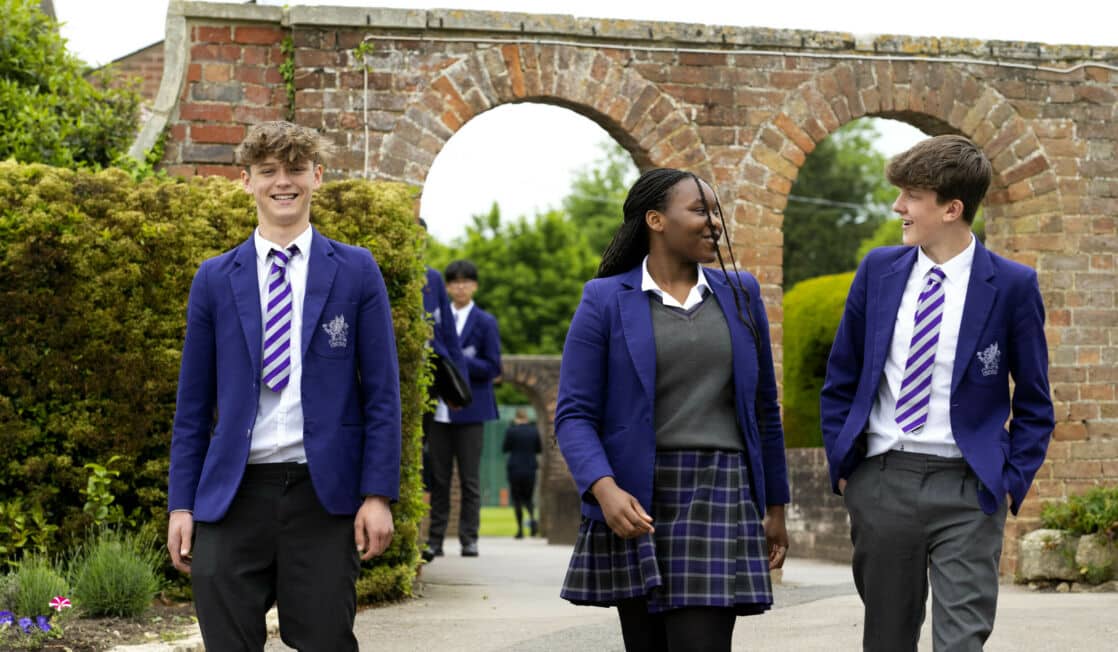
(338, 330)
(990, 357)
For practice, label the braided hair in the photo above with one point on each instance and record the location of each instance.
(630, 243)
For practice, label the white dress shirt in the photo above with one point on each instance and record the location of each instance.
(936, 438)
(442, 411)
(277, 435)
(694, 297)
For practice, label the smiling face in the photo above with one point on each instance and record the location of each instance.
(926, 222)
(683, 228)
(282, 192)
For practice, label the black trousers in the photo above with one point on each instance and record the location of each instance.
(692, 629)
(276, 545)
(521, 487)
(447, 442)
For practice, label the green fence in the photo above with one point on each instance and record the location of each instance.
(494, 480)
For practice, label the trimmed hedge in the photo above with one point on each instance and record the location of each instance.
(96, 270)
(812, 311)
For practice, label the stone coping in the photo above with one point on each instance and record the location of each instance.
(653, 33)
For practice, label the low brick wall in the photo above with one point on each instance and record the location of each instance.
(818, 525)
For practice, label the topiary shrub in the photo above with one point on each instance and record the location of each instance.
(97, 269)
(812, 311)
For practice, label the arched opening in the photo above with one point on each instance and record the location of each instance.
(530, 193)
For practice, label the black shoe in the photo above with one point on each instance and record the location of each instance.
(431, 551)
(469, 549)
(519, 534)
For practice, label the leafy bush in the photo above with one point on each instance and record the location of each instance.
(116, 574)
(1095, 511)
(812, 311)
(97, 269)
(37, 581)
(49, 112)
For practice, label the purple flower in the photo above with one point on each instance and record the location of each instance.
(43, 622)
(25, 624)
(6, 618)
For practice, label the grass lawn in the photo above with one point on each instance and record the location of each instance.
(498, 522)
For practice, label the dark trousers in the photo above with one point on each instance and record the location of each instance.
(913, 516)
(522, 484)
(693, 629)
(276, 545)
(446, 443)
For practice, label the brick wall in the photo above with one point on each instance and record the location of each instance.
(147, 64)
(742, 106)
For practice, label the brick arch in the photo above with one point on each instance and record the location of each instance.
(934, 97)
(645, 120)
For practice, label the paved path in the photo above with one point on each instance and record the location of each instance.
(507, 599)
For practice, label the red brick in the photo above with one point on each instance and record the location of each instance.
(254, 56)
(1070, 431)
(257, 35)
(203, 112)
(255, 94)
(254, 114)
(250, 74)
(217, 72)
(180, 170)
(210, 34)
(202, 133)
(194, 72)
(227, 171)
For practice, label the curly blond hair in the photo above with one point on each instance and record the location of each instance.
(287, 141)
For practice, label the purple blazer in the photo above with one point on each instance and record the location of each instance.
(1001, 336)
(607, 382)
(350, 393)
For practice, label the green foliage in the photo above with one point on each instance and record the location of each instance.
(23, 530)
(846, 197)
(49, 112)
(598, 194)
(1093, 574)
(97, 270)
(1094, 512)
(888, 234)
(287, 71)
(531, 274)
(98, 494)
(812, 311)
(116, 574)
(37, 581)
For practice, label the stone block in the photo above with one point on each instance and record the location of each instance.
(1047, 555)
(1095, 553)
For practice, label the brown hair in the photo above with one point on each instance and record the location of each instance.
(288, 142)
(952, 166)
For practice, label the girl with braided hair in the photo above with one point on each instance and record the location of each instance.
(668, 419)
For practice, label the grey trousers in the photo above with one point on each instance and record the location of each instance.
(916, 516)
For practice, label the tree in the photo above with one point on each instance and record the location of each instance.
(839, 198)
(49, 112)
(597, 195)
(531, 275)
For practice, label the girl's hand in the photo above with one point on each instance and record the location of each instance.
(776, 534)
(624, 514)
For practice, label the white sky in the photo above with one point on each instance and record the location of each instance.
(522, 156)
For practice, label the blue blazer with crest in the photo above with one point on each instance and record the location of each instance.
(350, 393)
(481, 346)
(607, 386)
(1001, 336)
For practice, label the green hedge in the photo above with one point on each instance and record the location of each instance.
(812, 311)
(96, 270)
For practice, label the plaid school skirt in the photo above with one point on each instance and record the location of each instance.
(708, 549)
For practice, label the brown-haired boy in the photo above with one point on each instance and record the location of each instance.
(285, 453)
(915, 403)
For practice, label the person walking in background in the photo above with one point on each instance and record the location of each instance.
(522, 444)
(916, 400)
(457, 435)
(667, 416)
(444, 346)
(277, 486)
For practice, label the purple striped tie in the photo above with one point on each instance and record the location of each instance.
(916, 388)
(277, 322)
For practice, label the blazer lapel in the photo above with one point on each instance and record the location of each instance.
(981, 294)
(320, 278)
(636, 323)
(246, 295)
(471, 322)
(889, 292)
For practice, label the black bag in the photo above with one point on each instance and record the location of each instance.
(450, 386)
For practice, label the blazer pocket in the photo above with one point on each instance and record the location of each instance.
(336, 330)
(988, 365)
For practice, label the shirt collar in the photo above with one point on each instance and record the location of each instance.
(265, 246)
(465, 310)
(956, 270)
(701, 289)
